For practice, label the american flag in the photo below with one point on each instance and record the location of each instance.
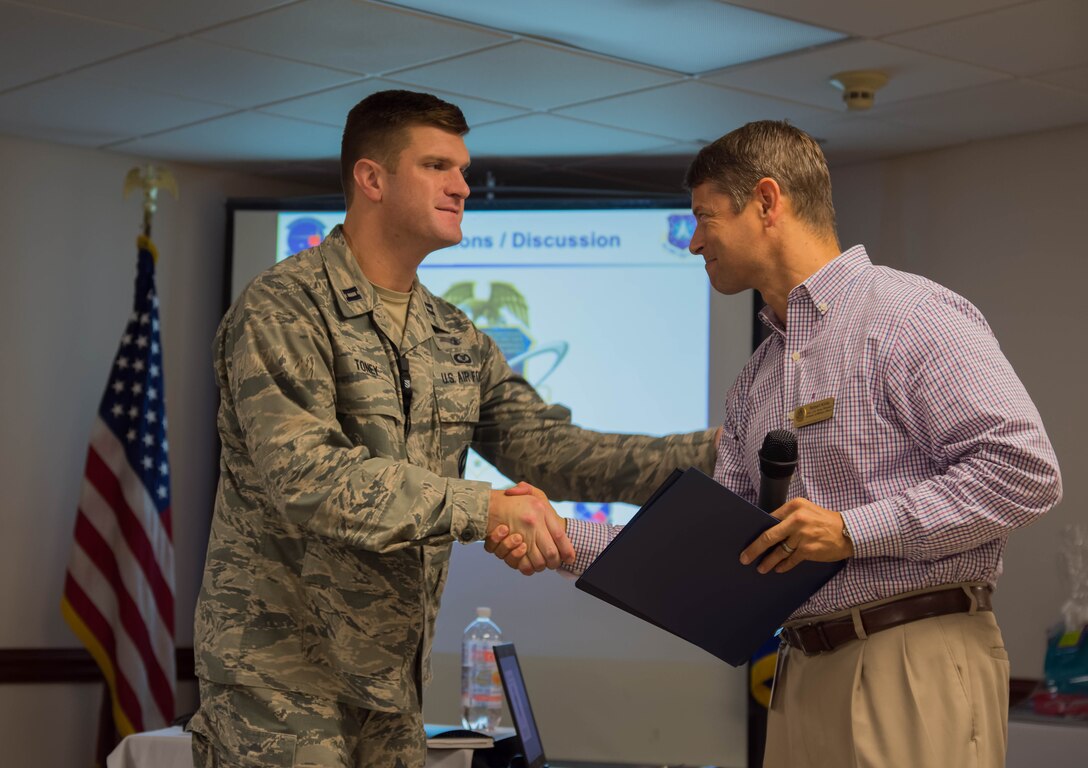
(119, 588)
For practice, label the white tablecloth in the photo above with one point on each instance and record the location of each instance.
(172, 748)
(1035, 742)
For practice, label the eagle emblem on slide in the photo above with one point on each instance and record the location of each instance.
(504, 316)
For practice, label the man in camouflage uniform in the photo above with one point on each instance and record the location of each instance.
(349, 398)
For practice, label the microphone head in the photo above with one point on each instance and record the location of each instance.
(779, 445)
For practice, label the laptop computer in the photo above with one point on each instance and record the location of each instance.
(521, 711)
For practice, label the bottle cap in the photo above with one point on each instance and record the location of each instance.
(483, 613)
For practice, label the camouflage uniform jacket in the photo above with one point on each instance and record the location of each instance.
(336, 511)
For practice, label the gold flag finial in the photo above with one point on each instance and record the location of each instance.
(150, 179)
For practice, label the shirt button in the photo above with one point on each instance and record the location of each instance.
(822, 306)
(468, 534)
(796, 356)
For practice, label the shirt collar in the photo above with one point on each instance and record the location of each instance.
(823, 287)
(355, 295)
(828, 283)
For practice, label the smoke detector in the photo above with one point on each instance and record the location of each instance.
(859, 87)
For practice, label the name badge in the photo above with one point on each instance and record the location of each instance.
(813, 413)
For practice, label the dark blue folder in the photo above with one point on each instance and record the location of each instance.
(676, 565)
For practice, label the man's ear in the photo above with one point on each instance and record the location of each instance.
(369, 179)
(768, 197)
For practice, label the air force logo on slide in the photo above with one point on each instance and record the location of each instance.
(681, 228)
(304, 233)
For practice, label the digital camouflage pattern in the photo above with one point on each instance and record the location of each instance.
(265, 727)
(335, 513)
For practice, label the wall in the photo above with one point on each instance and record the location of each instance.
(1002, 223)
(69, 257)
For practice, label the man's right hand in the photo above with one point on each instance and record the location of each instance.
(539, 526)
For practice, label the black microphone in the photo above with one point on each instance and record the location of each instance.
(777, 460)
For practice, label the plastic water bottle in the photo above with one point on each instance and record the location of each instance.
(481, 687)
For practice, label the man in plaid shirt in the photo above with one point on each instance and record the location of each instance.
(918, 452)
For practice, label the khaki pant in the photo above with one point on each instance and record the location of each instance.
(932, 693)
(242, 726)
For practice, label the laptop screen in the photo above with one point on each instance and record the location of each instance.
(517, 699)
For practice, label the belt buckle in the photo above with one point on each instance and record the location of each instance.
(793, 637)
(818, 627)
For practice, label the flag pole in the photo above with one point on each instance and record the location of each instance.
(148, 178)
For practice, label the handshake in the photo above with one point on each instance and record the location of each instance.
(525, 532)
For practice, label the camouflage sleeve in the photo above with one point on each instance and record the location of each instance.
(280, 373)
(527, 439)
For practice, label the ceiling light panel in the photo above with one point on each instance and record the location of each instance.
(689, 36)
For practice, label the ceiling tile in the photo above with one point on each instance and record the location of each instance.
(543, 135)
(194, 69)
(246, 136)
(100, 72)
(107, 113)
(36, 43)
(682, 35)
(358, 37)
(856, 137)
(331, 107)
(873, 19)
(174, 18)
(690, 111)
(1024, 40)
(534, 76)
(803, 77)
(998, 109)
(1075, 78)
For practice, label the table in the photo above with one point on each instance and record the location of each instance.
(172, 748)
(1035, 740)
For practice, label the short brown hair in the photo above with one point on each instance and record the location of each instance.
(736, 162)
(376, 128)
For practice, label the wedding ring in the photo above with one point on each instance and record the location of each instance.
(789, 550)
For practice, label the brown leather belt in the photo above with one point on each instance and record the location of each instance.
(823, 636)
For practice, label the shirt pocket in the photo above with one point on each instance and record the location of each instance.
(458, 409)
(369, 412)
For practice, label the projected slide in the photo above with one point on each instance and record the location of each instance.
(605, 312)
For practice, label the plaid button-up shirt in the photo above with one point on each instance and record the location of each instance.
(934, 453)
